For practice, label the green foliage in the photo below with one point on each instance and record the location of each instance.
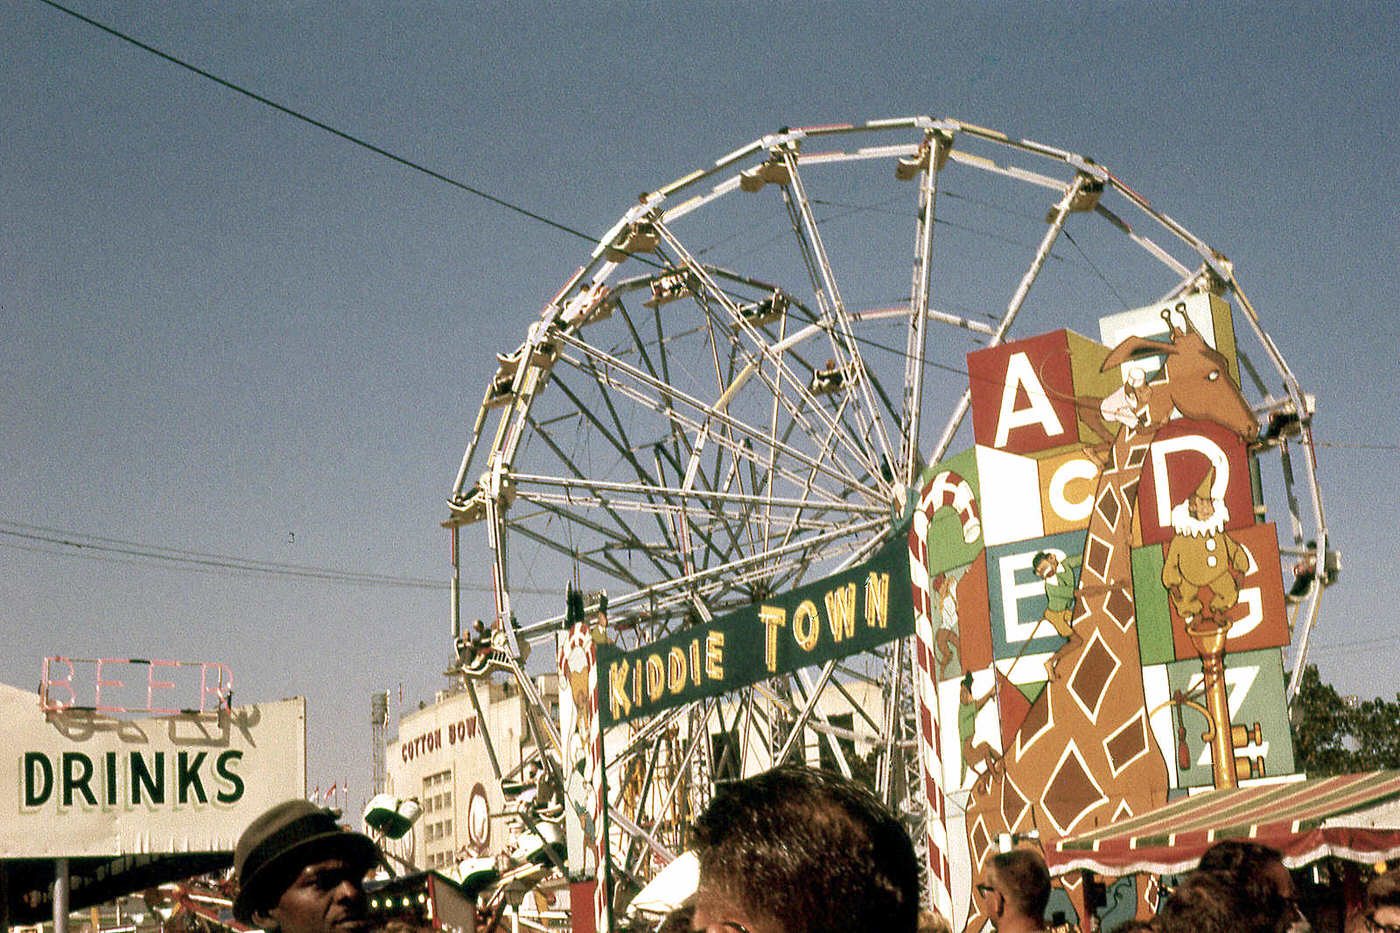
(1332, 736)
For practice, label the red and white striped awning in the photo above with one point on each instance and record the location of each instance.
(1352, 816)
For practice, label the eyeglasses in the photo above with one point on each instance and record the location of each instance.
(1377, 927)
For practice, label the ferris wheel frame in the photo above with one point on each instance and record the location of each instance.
(880, 460)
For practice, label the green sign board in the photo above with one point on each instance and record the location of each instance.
(847, 613)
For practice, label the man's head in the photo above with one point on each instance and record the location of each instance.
(1014, 890)
(800, 851)
(1045, 564)
(1259, 878)
(298, 871)
(1204, 902)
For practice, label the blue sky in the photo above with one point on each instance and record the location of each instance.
(227, 331)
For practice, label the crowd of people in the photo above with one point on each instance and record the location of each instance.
(795, 850)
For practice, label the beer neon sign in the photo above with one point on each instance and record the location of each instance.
(134, 685)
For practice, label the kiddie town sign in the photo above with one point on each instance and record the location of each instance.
(80, 782)
(849, 612)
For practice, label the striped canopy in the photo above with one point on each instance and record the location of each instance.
(1353, 816)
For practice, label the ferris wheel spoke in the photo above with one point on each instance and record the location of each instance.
(666, 500)
(624, 529)
(833, 308)
(1059, 214)
(724, 521)
(611, 568)
(750, 569)
(624, 447)
(933, 153)
(801, 392)
(668, 401)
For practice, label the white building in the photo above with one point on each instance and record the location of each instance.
(442, 756)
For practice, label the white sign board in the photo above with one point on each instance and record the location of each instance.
(84, 783)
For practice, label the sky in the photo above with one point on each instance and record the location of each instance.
(224, 331)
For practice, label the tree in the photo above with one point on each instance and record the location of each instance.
(1334, 736)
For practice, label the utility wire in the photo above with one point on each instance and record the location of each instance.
(470, 189)
(94, 547)
(377, 150)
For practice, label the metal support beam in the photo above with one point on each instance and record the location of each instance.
(1058, 217)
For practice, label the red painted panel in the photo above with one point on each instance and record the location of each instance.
(1028, 385)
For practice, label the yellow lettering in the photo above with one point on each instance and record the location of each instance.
(618, 700)
(877, 599)
(841, 611)
(656, 677)
(773, 618)
(714, 655)
(806, 625)
(675, 669)
(637, 684)
(695, 661)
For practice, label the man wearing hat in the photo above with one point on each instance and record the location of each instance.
(299, 871)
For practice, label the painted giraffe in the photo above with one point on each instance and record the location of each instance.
(1085, 753)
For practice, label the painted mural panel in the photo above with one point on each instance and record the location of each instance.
(1254, 683)
(1119, 547)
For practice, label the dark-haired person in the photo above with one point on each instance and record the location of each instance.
(1204, 902)
(1261, 882)
(1014, 891)
(299, 871)
(794, 850)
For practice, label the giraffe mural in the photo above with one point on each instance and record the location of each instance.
(1084, 751)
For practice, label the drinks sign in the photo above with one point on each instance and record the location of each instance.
(81, 782)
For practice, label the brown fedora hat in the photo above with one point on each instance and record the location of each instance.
(285, 839)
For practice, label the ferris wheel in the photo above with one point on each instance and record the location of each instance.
(740, 389)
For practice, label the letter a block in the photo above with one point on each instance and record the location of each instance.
(1023, 393)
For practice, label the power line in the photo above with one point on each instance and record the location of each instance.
(377, 150)
(470, 189)
(58, 542)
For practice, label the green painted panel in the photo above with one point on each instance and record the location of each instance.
(1154, 621)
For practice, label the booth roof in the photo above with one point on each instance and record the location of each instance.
(1350, 816)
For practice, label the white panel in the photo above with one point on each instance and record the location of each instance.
(1013, 512)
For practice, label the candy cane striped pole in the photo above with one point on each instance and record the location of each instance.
(583, 739)
(602, 900)
(946, 489)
